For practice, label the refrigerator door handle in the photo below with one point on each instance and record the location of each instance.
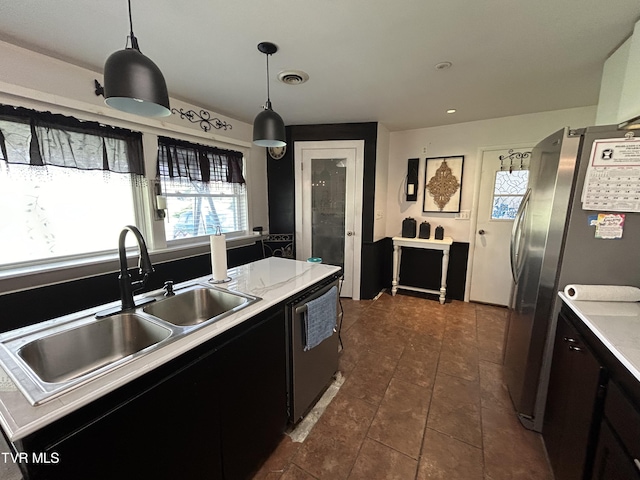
(516, 231)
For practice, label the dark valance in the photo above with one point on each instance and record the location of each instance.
(35, 138)
(179, 159)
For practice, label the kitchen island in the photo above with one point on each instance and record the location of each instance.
(178, 401)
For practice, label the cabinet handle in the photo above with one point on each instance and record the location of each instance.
(570, 340)
(637, 462)
(574, 348)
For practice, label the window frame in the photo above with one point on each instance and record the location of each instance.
(69, 268)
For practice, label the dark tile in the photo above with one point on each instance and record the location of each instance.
(331, 448)
(459, 420)
(362, 337)
(418, 367)
(378, 462)
(456, 390)
(459, 360)
(278, 461)
(443, 457)
(296, 473)
(493, 389)
(370, 377)
(491, 329)
(455, 408)
(385, 301)
(510, 450)
(401, 417)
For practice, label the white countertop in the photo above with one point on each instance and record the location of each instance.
(616, 324)
(272, 279)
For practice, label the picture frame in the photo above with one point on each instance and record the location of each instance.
(443, 184)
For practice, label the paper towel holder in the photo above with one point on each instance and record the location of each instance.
(212, 279)
(217, 282)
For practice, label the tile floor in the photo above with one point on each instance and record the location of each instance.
(423, 398)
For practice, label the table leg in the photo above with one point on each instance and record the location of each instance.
(396, 269)
(443, 280)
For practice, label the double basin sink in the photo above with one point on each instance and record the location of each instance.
(49, 359)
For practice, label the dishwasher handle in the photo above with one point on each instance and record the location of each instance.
(303, 308)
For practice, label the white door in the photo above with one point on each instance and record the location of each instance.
(327, 204)
(503, 183)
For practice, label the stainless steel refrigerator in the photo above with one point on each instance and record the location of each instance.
(553, 244)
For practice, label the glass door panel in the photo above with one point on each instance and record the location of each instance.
(328, 201)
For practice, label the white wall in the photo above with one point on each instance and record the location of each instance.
(36, 81)
(463, 139)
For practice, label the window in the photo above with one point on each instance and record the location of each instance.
(509, 188)
(65, 185)
(204, 187)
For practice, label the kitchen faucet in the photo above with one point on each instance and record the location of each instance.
(127, 287)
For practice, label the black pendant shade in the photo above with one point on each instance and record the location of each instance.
(133, 83)
(268, 126)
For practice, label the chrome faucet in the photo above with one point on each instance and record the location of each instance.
(127, 287)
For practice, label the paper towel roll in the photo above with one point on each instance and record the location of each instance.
(603, 293)
(218, 257)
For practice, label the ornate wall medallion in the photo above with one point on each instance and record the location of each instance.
(443, 181)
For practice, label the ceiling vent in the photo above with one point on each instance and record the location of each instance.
(293, 77)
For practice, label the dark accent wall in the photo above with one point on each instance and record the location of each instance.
(377, 256)
(36, 305)
(281, 186)
(423, 269)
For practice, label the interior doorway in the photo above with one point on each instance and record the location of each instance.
(502, 185)
(328, 178)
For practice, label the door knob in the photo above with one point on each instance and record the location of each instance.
(480, 232)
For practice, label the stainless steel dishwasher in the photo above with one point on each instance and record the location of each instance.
(310, 372)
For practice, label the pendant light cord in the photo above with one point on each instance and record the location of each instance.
(134, 40)
(268, 93)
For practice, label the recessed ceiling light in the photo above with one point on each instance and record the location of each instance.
(293, 77)
(451, 110)
(443, 65)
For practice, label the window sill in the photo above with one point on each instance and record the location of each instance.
(19, 278)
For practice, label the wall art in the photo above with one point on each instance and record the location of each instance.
(443, 184)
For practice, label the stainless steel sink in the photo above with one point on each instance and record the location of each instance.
(49, 359)
(198, 305)
(73, 353)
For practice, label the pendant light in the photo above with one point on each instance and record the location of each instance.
(133, 83)
(268, 126)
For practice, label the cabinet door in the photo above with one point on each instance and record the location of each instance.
(574, 392)
(611, 461)
(252, 395)
(166, 430)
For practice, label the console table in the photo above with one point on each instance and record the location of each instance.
(444, 245)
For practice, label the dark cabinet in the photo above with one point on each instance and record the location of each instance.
(574, 404)
(618, 453)
(252, 395)
(169, 429)
(215, 412)
(612, 462)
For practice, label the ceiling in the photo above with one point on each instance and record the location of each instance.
(368, 60)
